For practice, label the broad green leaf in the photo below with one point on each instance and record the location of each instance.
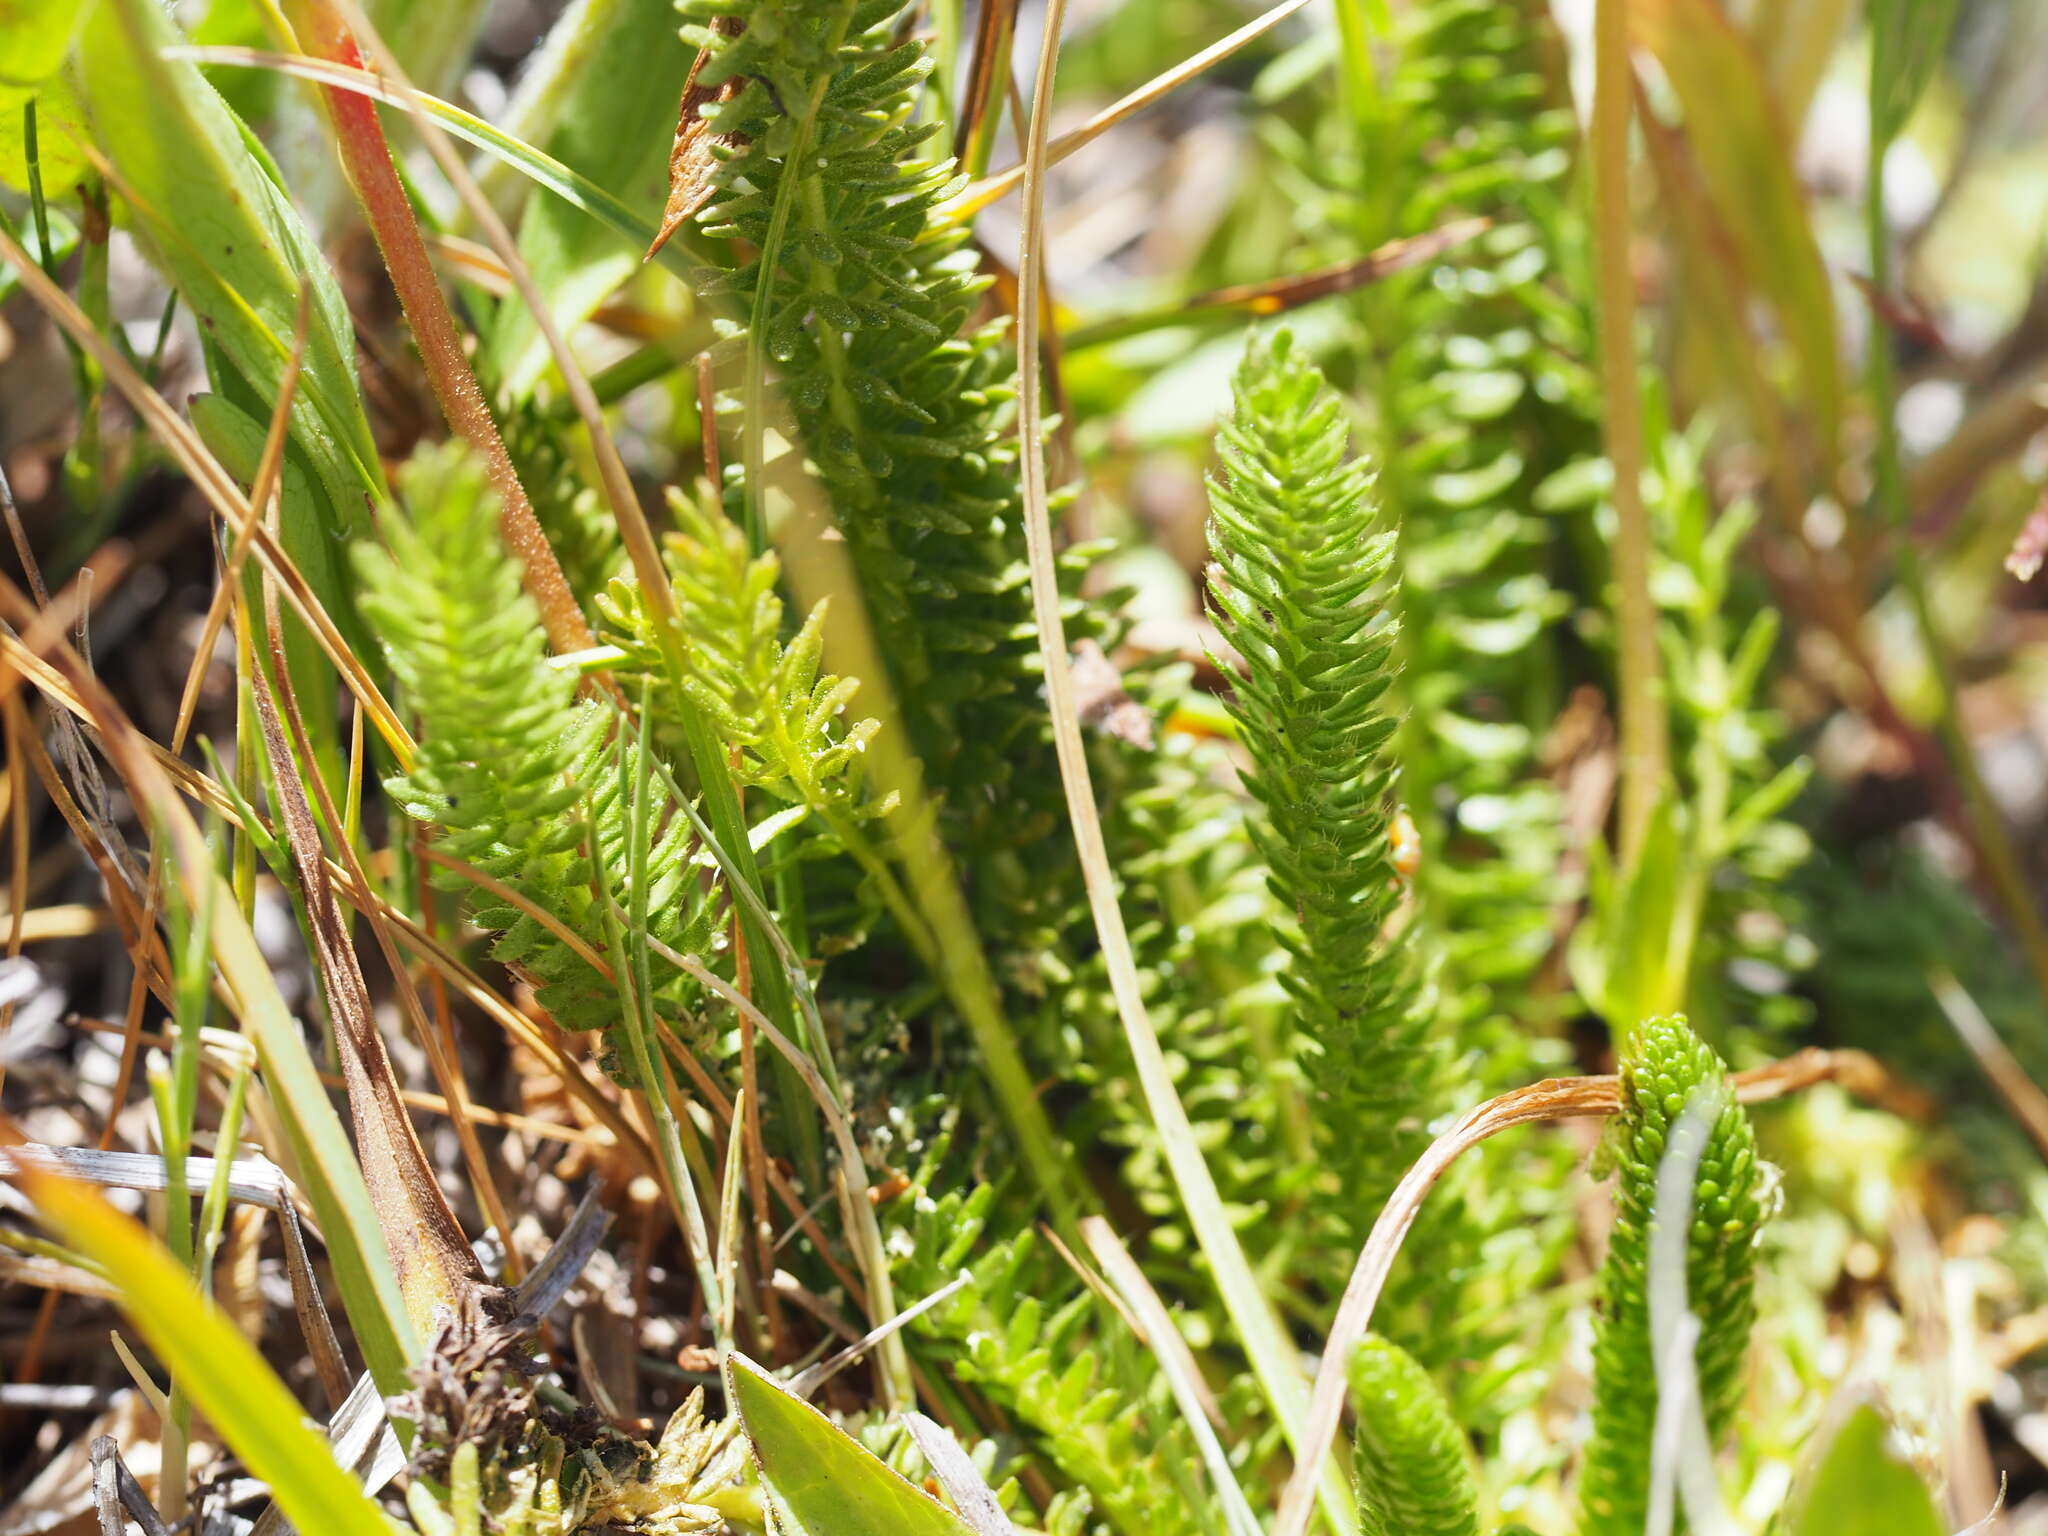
(1628, 958)
(615, 117)
(60, 160)
(830, 1483)
(34, 37)
(1858, 1488)
(1745, 154)
(206, 203)
(229, 1382)
(542, 169)
(1907, 39)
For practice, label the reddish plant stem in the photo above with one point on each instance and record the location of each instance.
(367, 156)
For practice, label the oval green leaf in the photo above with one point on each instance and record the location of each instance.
(830, 1483)
(1858, 1488)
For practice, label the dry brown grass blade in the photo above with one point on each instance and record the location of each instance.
(1277, 295)
(269, 469)
(137, 935)
(431, 1103)
(992, 189)
(2022, 1095)
(440, 1055)
(634, 529)
(216, 485)
(862, 1225)
(1552, 1099)
(693, 158)
(437, 1272)
(988, 74)
(324, 30)
(1146, 1313)
(203, 790)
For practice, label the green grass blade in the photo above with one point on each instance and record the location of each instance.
(223, 1373)
(537, 166)
(206, 200)
(614, 123)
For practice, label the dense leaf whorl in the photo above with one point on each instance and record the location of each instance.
(1664, 1065)
(1299, 586)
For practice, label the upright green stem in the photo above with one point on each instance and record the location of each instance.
(1645, 747)
(1274, 1359)
(1891, 510)
(360, 138)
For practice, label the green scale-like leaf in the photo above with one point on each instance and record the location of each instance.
(1414, 1467)
(1299, 580)
(1663, 1066)
(862, 307)
(520, 776)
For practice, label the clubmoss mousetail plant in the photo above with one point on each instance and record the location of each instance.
(954, 894)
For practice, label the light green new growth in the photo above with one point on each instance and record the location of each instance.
(1414, 1466)
(517, 773)
(780, 720)
(1663, 1065)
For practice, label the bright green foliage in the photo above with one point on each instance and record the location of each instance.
(1414, 1467)
(1298, 584)
(764, 696)
(519, 775)
(1476, 369)
(602, 100)
(861, 309)
(1857, 1486)
(1663, 1066)
(828, 1480)
(205, 200)
(1023, 1331)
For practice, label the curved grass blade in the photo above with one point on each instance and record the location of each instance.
(542, 169)
(226, 1378)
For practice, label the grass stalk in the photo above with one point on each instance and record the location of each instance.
(1645, 745)
(1891, 509)
(1272, 1354)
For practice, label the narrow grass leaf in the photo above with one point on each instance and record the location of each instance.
(227, 1379)
(613, 127)
(1745, 154)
